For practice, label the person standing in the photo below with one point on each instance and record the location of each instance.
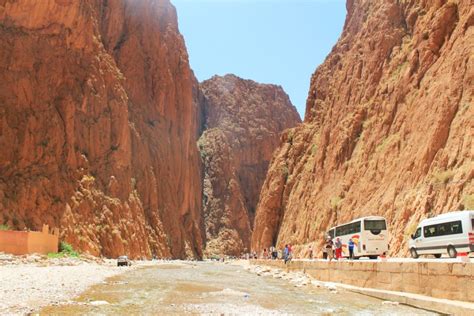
(329, 245)
(338, 246)
(310, 252)
(351, 245)
(286, 253)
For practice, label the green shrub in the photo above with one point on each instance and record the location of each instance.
(335, 201)
(54, 255)
(443, 177)
(66, 250)
(4, 227)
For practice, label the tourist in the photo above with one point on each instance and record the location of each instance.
(338, 246)
(310, 252)
(264, 256)
(329, 251)
(351, 249)
(275, 253)
(286, 253)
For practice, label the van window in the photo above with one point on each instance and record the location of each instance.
(443, 229)
(417, 233)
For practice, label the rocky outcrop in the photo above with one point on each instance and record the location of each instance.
(99, 118)
(243, 120)
(388, 130)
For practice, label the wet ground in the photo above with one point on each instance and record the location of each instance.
(216, 289)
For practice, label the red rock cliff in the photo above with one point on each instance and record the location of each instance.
(243, 121)
(98, 126)
(389, 127)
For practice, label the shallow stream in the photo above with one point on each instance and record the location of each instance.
(215, 289)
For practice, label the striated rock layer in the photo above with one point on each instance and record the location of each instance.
(243, 121)
(389, 127)
(99, 119)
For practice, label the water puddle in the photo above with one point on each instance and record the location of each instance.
(216, 289)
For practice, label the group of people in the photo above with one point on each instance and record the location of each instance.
(272, 253)
(333, 249)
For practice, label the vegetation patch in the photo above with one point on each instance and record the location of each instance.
(4, 227)
(386, 142)
(468, 201)
(335, 201)
(443, 177)
(65, 250)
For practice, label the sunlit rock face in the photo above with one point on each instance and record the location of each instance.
(99, 118)
(243, 121)
(389, 127)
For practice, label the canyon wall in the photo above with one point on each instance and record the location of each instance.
(99, 118)
(389, 127)
(243, 122)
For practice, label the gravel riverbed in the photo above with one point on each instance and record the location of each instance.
(29, 283)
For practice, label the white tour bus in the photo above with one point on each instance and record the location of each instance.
(368, 233)
(448, 233)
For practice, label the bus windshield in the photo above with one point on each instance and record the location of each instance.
(375, 224)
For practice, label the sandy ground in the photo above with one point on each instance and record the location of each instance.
(29, 283)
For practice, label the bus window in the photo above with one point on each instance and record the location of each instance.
(331, 233)
(375, 226)
(472, 222)
(348, 229)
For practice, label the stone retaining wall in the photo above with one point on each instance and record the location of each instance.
(448, 280)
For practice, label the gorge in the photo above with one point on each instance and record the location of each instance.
(388, 129)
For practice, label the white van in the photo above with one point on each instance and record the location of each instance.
(447, 233)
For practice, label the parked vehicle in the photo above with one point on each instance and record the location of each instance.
(369, 235)
(123, 261)
(448, 233)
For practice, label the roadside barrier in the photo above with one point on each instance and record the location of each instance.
(463, 256)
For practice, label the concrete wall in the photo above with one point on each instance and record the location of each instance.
(448, 280)
(22, 242)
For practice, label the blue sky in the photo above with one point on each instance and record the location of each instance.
(269, 41)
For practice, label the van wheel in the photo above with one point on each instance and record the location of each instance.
(452, 252)
(437, 256)
(413, 253)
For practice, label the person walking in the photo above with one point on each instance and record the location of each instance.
(338, 246)
(328, 246)
(351, 245)
(286, 253)
(310, 252)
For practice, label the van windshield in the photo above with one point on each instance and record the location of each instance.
(375, 224)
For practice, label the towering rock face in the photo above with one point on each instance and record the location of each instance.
(99, 119)
(243, 121)
(389, 127)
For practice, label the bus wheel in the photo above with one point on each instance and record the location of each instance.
(373, 257)
(452, 252)
(437, 256)
(413, 253)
